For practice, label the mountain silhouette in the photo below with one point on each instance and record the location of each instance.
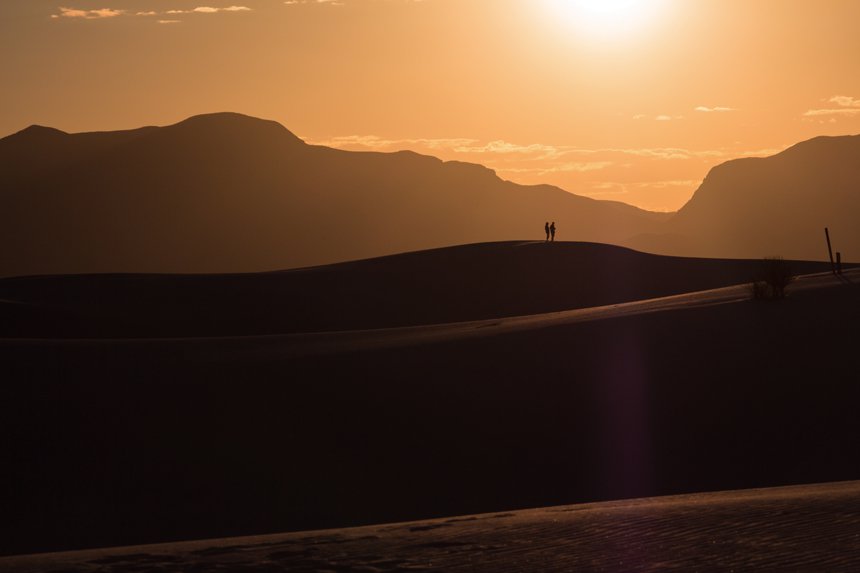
(230, 193)
(778, 205)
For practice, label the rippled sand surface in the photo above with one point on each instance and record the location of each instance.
(800, 528)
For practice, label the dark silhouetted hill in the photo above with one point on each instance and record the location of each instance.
(230, 193)
(467, 282)
(777, 205)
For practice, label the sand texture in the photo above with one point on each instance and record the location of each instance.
(118, 441)
(810, 528)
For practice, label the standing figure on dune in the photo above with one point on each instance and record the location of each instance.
(552, 231)
(546, 228)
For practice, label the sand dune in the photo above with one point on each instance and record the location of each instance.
(469, 282)
(326, 343)
(122, 441)
(809, 528)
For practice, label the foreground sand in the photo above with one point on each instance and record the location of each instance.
(114, 442)
(801, 528)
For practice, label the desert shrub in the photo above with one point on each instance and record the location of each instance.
(773, 276)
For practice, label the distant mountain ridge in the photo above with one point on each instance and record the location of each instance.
(231, 193)
(776, 205)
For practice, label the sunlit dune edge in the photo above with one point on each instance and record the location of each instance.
(798, 528)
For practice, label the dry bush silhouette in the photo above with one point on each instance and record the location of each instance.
(773, 276)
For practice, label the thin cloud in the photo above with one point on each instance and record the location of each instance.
(326, 2)
(210, 10)
(98, 14)
(661, 117)
(570, 167)
(718, 109)
(103, 13)
(845, 101)
(376, 143)
(835, 111)
(662, 153)
(503, 147)
(596, 171)
(847, 106)
(332, 2)
(559, 157)
(656, 153)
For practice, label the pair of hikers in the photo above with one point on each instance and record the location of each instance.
(550, 231)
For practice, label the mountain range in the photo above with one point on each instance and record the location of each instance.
(778, 205)
(231, 193)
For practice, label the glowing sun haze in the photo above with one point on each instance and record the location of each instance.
(632, 100)
(605, 20)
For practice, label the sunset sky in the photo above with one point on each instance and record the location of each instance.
(632, 100)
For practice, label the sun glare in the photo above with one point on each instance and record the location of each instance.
(605, 19)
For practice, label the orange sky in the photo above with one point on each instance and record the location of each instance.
(634, 102)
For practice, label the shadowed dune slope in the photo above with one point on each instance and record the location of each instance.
(453, 284)
(118, 442)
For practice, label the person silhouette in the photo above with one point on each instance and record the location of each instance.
(552, 231)
(546, 228)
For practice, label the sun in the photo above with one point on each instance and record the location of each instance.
(605, 19)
